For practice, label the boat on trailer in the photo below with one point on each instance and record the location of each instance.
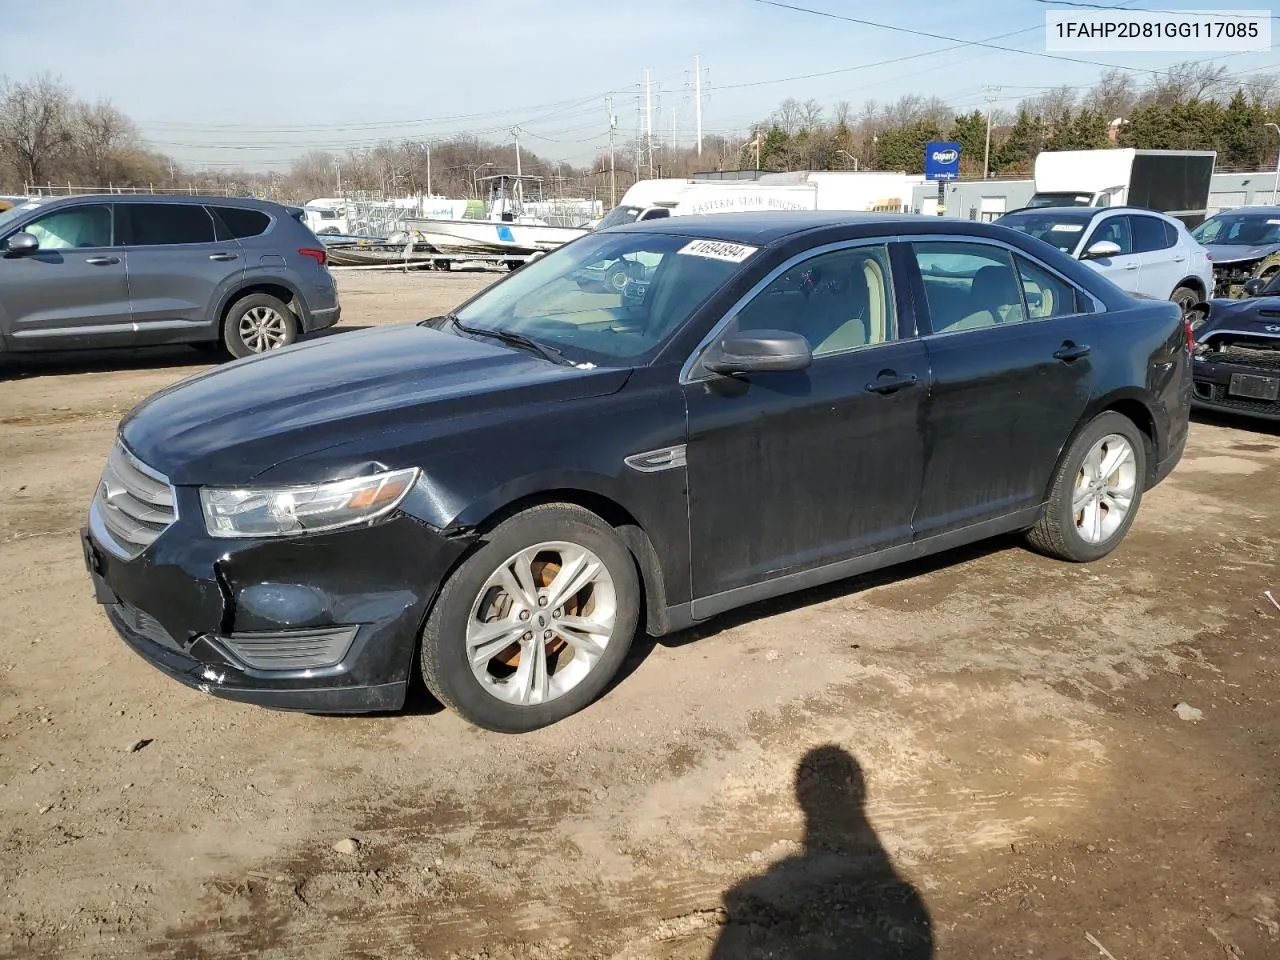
(507, 229)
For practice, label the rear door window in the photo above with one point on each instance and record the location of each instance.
(155, 224)
(242, 223)
(969, 285)
(1148, 234)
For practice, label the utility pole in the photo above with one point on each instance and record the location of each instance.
(337, 169)
(613, 176)
(1275, 186)
(428, 168)
(648, 121)
(986, 154)
(697, 99)
(515, 133)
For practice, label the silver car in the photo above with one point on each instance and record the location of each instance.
(127, 271)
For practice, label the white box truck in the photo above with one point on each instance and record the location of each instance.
(1174, 182)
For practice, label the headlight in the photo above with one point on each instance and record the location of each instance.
(281, 511)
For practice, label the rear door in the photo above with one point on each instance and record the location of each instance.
(73, 291)
(1009, 349)
(178, 269)
(1164, 260)
(1124, 269)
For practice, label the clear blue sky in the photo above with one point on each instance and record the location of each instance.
(255, 82)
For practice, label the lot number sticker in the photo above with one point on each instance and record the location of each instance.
(718, 250)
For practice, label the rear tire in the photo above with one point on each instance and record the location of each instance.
(558, 650)
(1096, 490)
(258, 323)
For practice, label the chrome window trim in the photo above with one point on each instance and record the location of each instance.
(1099, 306)
(691, 361)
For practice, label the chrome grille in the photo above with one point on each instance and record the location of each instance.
(134, 503)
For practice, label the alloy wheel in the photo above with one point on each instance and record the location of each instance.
(1105, 488)
(262, 329)
(541, 623)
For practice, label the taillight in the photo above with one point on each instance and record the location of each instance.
(319, 256)
(1191, 336)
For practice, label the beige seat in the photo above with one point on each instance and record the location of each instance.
(993, 299)
(869, 308)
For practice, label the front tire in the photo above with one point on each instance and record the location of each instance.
(1096, 491)
(532, 626)
(258, 323)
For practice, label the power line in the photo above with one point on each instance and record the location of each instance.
(1184, 13)
(939, 36)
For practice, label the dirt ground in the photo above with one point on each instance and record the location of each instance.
(977, 756)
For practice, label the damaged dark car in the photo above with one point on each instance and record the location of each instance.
(506, 495)
(1244, 245)
(1236, 364)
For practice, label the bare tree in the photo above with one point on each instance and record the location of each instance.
(810, 115)
(1114, 95)
(1264, 89)
(1051, 104)
(842, 113)
(100, 136)
(789, 116)
(34, 124)
(1189, 80)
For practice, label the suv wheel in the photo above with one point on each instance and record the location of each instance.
(258, 323)
(1186, 299)
(534, 624)
(1096, 491)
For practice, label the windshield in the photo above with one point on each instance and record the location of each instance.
(608, 299)
(618, 216)
(1239, 229)
(20, 210)
(1061, 229)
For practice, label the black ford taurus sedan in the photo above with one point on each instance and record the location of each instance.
(510, 492)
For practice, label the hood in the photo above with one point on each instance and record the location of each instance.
(232, 423)
(1222, 253)
(1255, 316)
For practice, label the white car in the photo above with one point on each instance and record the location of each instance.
(1143, 252)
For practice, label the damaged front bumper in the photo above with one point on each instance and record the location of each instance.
(326, 623)
(1236, 388)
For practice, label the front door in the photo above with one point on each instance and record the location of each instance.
(178, 269)
(71, 292)
(1009, 350)
(1125, 268)
(792, 471)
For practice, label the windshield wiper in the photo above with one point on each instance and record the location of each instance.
(513, 339)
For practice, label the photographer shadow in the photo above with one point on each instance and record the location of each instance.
(841, 897)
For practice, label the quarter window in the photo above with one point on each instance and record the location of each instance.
(1148, 234)
(969, 286)
(248, 223)
(837, 301)
(1046, 295)
(153, 224)
(87, 226)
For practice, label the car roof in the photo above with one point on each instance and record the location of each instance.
(766, 226)
(1267, 211)
(249, 202)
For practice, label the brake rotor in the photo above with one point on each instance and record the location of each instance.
(543, 575)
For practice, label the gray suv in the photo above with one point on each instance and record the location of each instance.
(130, 271)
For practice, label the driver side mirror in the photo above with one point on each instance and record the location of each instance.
(1254, 286)
(761, 351)
(21, 244)
(1102, 250)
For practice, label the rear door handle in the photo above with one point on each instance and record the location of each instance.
(222, 256)
(1070, 351)
(102, 261)
(1131, 266)
(888, 382)
(1178, 259)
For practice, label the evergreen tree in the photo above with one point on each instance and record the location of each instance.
(1018, 151)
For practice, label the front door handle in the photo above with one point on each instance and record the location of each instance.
(889, 382)
(1130, 266)
(102, 261)
(1070, 351)
(222, 256)
(1178, 259)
